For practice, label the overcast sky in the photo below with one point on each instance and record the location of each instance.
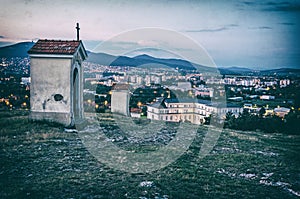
(255, 34)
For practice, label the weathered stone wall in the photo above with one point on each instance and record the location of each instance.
(62, 118)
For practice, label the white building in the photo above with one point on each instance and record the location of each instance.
(284, 82)
(57, 80)
(188, 110)
(155, 79)
(25, 80)
(139, 80)
(132, 79)
(281, 111)
(204, 91)
(147, 79)
(184, 85)
(267, 97)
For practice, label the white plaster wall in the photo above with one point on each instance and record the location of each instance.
(50, 76)
(120, 102)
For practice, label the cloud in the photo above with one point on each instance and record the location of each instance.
(147, 43)
(208, 30)
(249, 3)
(281, 7)
(287, 23)
(276, 3)
(227, 27)
(261, 28)
(265, 28)
(271, 6)
(2, 37)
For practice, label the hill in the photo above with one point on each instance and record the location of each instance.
(40, 160)
(236, 70)
(16, 50)
(281, 71)
(247, 71)
(20, 50)
(106, 59)
(181, 64)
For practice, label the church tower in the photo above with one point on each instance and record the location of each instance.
(56, 90)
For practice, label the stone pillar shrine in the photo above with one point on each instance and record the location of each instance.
(56, 90)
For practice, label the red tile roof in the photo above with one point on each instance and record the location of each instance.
(55, 47)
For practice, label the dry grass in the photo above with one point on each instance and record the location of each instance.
(40, 160)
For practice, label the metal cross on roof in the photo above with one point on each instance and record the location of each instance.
(77, 28)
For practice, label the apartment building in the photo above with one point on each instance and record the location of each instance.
(188, 110)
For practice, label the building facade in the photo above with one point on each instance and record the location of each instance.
(188, 110)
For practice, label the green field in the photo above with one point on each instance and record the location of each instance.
(40, 160)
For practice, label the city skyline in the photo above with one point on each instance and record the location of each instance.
(234, 33)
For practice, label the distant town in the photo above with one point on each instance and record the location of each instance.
(173, 94)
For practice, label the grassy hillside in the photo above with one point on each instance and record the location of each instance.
(40, 160)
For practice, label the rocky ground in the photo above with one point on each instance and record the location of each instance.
(41, 160)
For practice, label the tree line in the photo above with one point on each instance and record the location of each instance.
(269, 124)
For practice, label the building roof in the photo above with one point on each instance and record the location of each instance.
(64, 47)
(121, 86)
(161, 103)
(180, 100)
(282, 109)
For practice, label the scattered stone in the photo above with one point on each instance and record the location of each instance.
(248, 175)
(70, 130)
(146, 184)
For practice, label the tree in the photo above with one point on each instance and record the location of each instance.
(291, 125)
(272, 124)
(262, 111)
(214, 119)
(297, 99)
(230, 121)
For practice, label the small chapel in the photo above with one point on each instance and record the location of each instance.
(56, 90)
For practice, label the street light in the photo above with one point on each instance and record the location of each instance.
(139, 104)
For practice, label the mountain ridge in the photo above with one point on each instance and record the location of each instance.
(20, 50)
(16, 50)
